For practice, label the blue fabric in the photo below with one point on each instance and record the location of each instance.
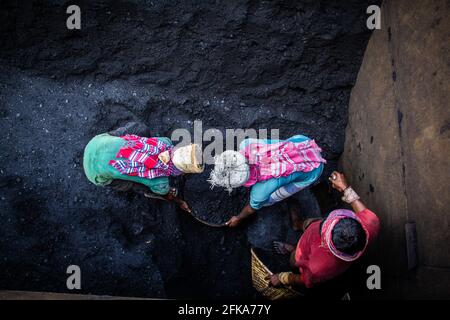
(268, 192)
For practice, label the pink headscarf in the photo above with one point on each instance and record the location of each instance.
(327, 233)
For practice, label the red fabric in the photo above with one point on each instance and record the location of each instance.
(140, 157)
(142, 149)
(316, 262)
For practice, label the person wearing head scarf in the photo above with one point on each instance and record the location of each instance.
(274, 169)
(126, 161)
(328, 247)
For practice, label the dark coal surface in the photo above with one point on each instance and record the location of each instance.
(288, 65)
(219, 211)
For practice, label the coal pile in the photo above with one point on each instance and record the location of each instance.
(231, 64)
(216, 212)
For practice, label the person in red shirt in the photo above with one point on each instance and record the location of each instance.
(328, 247)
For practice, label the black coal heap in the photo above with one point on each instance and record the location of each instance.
(286, 65)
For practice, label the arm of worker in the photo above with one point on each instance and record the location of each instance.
(182, 204)
(286, 279)
(339, 182)
(369, 219)
(171, 196)
(245, 212)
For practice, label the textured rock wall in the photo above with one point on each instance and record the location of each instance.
(398, 144)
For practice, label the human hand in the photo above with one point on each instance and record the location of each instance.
(184, 206)
(338, 181)
(233, 222)
(274, 280)
(173, 192)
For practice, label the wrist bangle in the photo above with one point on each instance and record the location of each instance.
(350, 195)
(284, 277)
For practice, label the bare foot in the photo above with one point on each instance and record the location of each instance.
(282, 248)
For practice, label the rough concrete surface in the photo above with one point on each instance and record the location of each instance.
(398, 144)
(285, 65)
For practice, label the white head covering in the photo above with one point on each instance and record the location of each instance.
(188, 159)
(230, 170)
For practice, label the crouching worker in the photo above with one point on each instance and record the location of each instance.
(143, 165)
(274, 169)
(328, 247)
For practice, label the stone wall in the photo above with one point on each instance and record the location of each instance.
(398, 144)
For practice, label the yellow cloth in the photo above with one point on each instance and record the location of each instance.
(188, 159)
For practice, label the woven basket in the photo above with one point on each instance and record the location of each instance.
(259, 274)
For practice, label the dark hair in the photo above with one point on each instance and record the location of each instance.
(348, 236)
